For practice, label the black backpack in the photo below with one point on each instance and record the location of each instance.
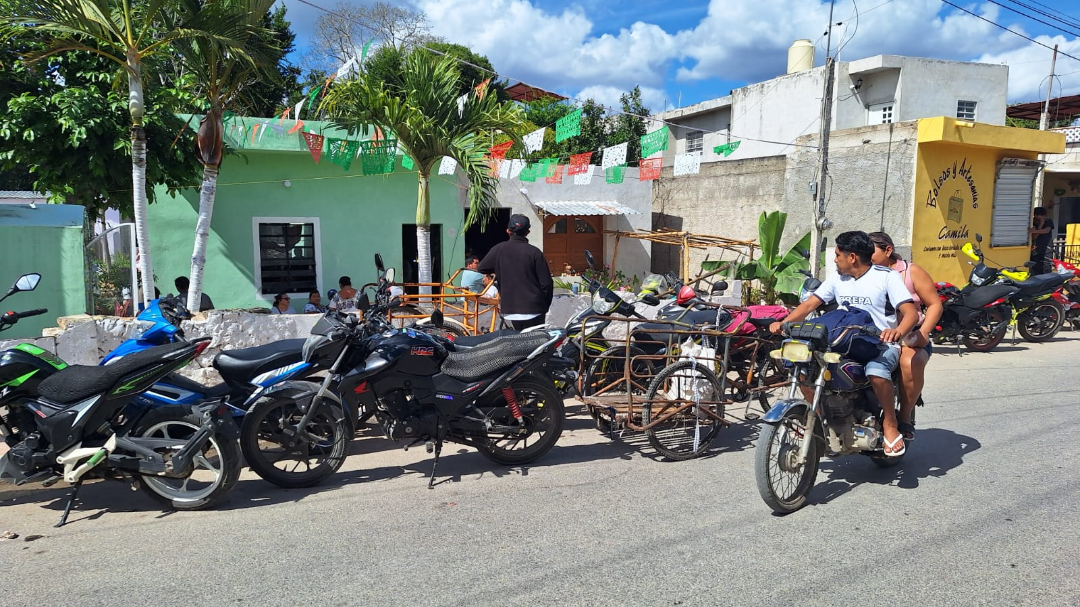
(825, 329)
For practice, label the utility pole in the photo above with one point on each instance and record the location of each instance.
(1044, 121)
(818, 215)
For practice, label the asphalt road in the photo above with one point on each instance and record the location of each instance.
(981, 512)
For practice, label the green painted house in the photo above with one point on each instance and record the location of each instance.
(284, 223)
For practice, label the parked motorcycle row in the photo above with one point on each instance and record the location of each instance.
(292, 407)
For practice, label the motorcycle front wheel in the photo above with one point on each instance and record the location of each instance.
(984, 342)
(317, 453)
(542, 409)
(782, 483)
(214, 471)
(1041, 321)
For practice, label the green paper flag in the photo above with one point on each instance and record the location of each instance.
(363, 53)
(528, 173)
(615, 174)
(654, 142)
(407, 162)
(727, 148)
(311, 96)
(342, 152)
(568, 126)
(546, 168)
(377, 157)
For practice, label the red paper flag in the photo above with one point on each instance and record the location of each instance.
(284, 115)
(326, 85)
(254, 130)
(649, 169)
(314, 144)
(481, 89)
(579, 163)
(499, 151)
(556, 177)
(296, 127)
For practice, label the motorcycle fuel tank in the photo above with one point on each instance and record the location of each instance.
(412, 352)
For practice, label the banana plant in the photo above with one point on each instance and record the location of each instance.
(777, 273)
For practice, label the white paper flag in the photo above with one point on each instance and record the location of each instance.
(614, 156)
(687, 164)
(584, 178)
(265, 126)
(461, 104)
(447, 166)
(535, 140)
(515, 168)
(344, 69)
(504, 169)
(299, 106)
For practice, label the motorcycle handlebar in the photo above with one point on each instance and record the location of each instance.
(37, 312)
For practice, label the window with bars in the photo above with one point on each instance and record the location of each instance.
(287, 257)
(694, 141)
(965, 110)
(881, 113)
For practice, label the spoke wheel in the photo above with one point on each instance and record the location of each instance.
(685, 401)
(782, 482)
(606, 373)
(318, 450)
(213, 472)
(541, 408)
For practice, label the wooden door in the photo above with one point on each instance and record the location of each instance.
(567, 238)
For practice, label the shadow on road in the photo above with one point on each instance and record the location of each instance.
(933, 454)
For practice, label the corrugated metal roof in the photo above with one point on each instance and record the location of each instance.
(45, 215)
(586, 207)
(21, 194)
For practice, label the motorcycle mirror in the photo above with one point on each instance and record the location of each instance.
(389, 276)
(720, 286)
(589, 259)
(1029, 264)
(650, 300)
(805, 253)
(379, 263)
(363, 303)
(437, 318)
(978, 237)
(26, 282)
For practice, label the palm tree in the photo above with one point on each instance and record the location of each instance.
(128, 33)
(220, 77)
(420, 109)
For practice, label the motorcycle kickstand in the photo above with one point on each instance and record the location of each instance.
(435, 464)
(70, 502)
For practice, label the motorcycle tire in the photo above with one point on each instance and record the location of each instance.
(689, 432)
(214, 471)
(984, 344)
(262, 441)
(540, 403)
(773, 453)
(1041, 321)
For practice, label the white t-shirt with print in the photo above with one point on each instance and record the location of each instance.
(879, 291)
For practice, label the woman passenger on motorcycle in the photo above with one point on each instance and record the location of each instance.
(913, 355)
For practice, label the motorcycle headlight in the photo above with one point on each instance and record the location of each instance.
(977, 280)
(142, 327)
(795, 351)
(601, 305)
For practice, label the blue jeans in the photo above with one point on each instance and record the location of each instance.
(884, 365)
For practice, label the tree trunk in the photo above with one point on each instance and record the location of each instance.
(423, 232)
(202, 231)
(138, 174)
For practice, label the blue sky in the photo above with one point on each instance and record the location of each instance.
(690, 51)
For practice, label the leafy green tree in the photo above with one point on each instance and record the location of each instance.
(630, 126)
(132, 37)
(473, 68)
(268, 97)
(427, 127)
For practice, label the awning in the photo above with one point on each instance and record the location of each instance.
(586, 207)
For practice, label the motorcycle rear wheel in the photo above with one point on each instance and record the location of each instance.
(541, 407)
(306, 464)
(214, 471)
(982, 343)
(1041, 321)
(689, 432)
(783, 485)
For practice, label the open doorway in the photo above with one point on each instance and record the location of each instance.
(411, 271)
(480, 240)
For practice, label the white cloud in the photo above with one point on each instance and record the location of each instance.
(1029, 67)
(654, 99)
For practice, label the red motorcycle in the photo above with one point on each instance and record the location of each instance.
(1069, 293)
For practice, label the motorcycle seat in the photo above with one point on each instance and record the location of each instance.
(471, 341)
(762, 323)
(1042, 283)
(78, 382)
(982, 296)
(241, 365)
(493, 356)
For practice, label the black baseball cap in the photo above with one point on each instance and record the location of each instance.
(518, 223)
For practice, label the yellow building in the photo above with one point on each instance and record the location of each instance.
(974, 178)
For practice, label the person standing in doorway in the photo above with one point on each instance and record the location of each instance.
(1042, 233)
(525, 285)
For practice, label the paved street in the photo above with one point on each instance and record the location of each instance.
(981, 512)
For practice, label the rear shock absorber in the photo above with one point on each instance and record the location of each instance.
(511, 401)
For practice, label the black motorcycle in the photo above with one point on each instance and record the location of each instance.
(84, 422)
(497, 397)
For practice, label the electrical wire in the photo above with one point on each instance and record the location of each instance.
(1023, 14)
(1069, 20)
(1011, 31)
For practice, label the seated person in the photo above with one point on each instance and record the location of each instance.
(281, 304)
(345, 299)
(182, 284)
(314, 303)
(471, 280)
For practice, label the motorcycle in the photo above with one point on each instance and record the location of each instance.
(71, 423)
(1069, 294)
(845, 415)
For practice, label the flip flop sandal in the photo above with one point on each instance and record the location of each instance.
(892, 445)
(907, 430)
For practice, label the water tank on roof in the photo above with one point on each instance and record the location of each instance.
(800, 56)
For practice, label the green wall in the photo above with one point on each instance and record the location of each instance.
(359, 216)
(47, 240)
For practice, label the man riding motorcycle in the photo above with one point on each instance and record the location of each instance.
(881, 293)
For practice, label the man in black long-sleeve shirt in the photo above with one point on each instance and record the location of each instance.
(525, 286)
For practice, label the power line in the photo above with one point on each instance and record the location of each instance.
(574, 99)
(1069, 20)
(1023, 14)
(1011, 31)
